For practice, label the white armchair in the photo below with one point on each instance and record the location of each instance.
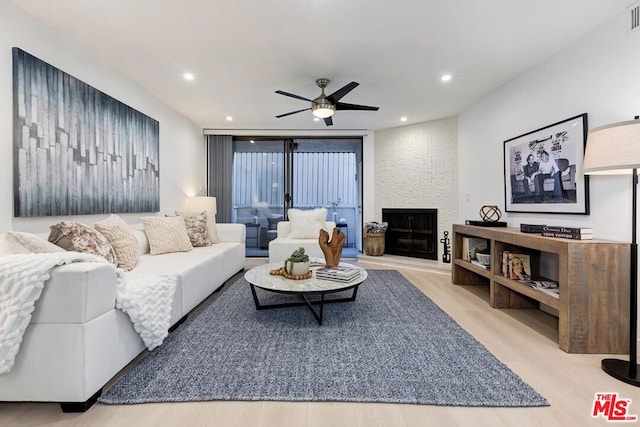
(282, 246)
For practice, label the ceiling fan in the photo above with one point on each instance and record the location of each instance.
(325, 105)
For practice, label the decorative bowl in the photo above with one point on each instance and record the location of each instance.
(484, 259)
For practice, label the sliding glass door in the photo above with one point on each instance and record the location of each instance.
(272, 175)
(258, 190)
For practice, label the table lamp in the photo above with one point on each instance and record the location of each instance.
(615, 150)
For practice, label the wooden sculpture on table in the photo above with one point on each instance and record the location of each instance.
(331, 250)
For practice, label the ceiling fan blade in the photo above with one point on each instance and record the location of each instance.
(337, 95)
(292, 112)
(328, 121)
(281, 92)
(344, 106)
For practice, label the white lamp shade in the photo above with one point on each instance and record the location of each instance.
(202, 203)
(613, 149)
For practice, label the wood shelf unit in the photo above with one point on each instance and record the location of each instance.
(593, 277)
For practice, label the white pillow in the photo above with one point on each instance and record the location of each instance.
(143, 241)
(8, 246)
(32, 243)
(306, 224)
(166, 234)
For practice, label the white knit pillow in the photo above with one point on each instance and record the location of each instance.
(166, 234)
(121, 237)
(306, 224)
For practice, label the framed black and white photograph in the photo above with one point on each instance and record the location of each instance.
(543, 169)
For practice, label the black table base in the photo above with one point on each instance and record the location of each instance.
(318, 314)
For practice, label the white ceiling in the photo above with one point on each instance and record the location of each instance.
(241, 51)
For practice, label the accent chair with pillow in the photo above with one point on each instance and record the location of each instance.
(302, 230)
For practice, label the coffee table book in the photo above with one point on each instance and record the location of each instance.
(341, 273)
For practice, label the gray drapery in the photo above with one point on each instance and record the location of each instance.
(220, 168)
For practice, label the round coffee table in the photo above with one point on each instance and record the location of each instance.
(260, 277)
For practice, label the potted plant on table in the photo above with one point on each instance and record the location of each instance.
(298, 263)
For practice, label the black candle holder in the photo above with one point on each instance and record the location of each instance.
(446, 253)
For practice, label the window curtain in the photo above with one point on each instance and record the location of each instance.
(220, 168)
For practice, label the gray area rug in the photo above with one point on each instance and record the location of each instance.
(393, 344)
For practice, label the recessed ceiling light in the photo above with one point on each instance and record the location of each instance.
(188, 76)
(446, 77)
(252, 141)
(316, 119)
(403, 119)
(229, 118)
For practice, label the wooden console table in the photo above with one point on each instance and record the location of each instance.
(593, 278)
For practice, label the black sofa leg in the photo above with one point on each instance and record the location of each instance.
(80, 406)
(178, 323)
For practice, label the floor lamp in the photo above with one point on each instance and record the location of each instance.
(615, 150)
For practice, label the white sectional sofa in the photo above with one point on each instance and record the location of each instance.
(77, 340)
(282, 246)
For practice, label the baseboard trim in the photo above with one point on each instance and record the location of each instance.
(407, 262)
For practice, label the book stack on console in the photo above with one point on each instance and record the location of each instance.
(340, 273)
(575, 233)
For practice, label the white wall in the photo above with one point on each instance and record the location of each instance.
(415, 166)
(182, 150)
(599, 75)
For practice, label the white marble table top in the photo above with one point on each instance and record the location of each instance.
(260, 277)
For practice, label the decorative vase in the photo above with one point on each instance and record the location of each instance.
(335, 217)
(255, 219)
(297, 268)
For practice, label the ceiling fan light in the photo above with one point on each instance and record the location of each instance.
(322, 108)
(323, 113)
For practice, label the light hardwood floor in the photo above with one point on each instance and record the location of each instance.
(525, 340)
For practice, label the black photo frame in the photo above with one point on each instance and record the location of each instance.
(543, 169)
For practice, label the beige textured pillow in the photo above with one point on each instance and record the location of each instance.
(166, 234)
(9, 246)
(306, 224)
(75, 236)
(121, 237)
(197, 228)
(32, 243)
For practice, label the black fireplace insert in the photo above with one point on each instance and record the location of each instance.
(411, 232)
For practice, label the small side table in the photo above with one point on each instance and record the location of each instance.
(256, 227)
(346, 233)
